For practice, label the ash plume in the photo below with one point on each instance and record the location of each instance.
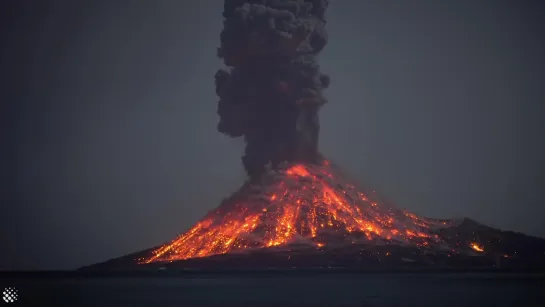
(272, 88)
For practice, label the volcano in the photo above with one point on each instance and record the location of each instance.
(297, 209)
(306, 205)
(305, 215)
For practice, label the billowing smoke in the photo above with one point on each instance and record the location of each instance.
(271, 91)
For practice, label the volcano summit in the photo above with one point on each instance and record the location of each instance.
(297, 209)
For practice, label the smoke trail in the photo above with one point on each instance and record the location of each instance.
(272, 90)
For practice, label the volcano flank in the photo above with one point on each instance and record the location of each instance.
(298, 209)
(309, 216)
(304, 205)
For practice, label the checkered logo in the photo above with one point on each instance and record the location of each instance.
(9, 295)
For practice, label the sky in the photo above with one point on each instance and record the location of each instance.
(109, 118)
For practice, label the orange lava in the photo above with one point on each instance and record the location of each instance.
(477, 247)
(305, 204)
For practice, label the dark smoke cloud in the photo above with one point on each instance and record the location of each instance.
(272, 90)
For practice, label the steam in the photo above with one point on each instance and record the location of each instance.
(271, 91)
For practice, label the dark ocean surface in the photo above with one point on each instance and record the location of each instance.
(445, 289)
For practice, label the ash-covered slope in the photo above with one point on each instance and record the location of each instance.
(311, 216)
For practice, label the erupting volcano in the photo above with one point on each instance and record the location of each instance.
(297, 209)
(308, 205)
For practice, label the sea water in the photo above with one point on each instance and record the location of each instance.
(292, 290)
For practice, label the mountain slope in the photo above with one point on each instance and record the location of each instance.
(311, 215)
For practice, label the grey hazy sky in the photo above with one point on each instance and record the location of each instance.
(110, 113)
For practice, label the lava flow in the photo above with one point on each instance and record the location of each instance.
(308, 205)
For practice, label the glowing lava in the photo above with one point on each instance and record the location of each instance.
(477, 247)
(304, 204)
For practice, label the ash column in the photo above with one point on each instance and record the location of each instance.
(272, 90)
